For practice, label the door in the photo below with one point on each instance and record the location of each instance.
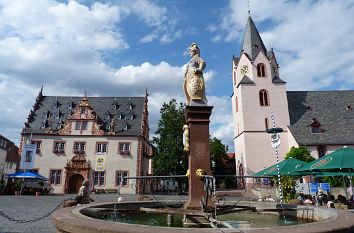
(75, 183)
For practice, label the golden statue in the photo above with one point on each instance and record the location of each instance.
(193, 82)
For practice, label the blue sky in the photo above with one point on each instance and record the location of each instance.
(119, 48)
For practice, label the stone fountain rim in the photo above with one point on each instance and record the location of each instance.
(67, 219)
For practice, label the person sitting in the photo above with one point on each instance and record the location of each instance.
(301, 198)
(83, 196)
(321, 197)
(308, 200)
(330, 203)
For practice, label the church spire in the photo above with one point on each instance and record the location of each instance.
(252, 41)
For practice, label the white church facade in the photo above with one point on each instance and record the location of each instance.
(320, 120)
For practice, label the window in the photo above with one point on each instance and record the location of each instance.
(316, 126)
(58, 147)
(28, 156)
(81, 125)
(124, 148)
(234, 76)
(263, 98)
(236, 100)
(101, 147)
(83, 110)
(261, 70)
(55, 177)
(120, 178)
(99, 178)
(38, 146)
(79, 147)
(266, 124)
(321, 151)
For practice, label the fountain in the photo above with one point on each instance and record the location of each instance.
(199, 212)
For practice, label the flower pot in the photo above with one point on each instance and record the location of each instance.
(38, 194)
(17, 193)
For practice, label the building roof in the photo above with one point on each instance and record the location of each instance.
(50, 113)
(276, 79)
(252, 42)
(331, 109)
(245, 80)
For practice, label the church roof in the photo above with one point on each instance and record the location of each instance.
(51, 112)
(331, 109)
(252, 41)
(276, 79)
(245, 80)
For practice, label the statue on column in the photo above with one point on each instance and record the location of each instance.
(193, 82)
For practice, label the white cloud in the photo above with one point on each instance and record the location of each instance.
(312, 39)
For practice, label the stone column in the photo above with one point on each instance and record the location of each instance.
(197, 118)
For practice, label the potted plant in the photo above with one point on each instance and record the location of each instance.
(41, 184)
(18, 185)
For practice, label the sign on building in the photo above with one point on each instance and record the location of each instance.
(100, 161)
(27, 156)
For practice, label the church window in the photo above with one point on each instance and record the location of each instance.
(266, 124)
(236, 104)
(234, 77)
(263, 98)
(261, 70)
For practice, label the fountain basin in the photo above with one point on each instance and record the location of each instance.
(325, 219)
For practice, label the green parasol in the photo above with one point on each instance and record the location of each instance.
(341, 160)
(285, 167)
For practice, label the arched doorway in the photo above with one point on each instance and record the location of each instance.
(75, 183)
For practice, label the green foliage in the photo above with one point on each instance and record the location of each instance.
(170, 159)
(300, 153)
(336, 181)
(18, 184)
(219, 157)
(288, 187)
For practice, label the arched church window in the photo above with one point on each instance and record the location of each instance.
(263, 97)
(261, 70)
(236, 104)
(266, 124)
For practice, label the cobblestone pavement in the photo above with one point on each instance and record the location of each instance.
(31, 207)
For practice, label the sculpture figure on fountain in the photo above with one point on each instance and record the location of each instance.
(193, 82)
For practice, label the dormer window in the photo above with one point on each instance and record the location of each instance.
(349, 108)
(308, 109)
(83, 110)
(316, 126)
(261, 70)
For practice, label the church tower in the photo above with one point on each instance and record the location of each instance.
(257, 92)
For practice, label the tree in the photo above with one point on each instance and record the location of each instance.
(218, 156)
(300, 153)
(288, 182)
(170, 159)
